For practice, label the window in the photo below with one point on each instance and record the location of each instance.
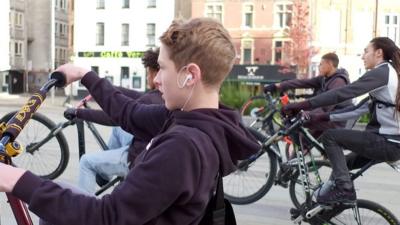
(125, 34)
(330, 30)
(100, 4)
(18, 48)
(247, 46)
(100, 34)
(18, 19)
(124, 72)
(279, 47)
(278, 52)
(214, 11)
(95, 69)
(391, 27)
(283, 15)
(125, 4)
(151, 4)
(151, 34)
(248, 16)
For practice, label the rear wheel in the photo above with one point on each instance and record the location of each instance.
(48, 161)
(254, 176)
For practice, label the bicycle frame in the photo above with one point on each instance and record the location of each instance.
(12, 130)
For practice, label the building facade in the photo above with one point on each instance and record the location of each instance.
(346, 27)
(110, 37)
(37, 35)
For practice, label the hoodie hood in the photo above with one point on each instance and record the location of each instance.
(231, 139)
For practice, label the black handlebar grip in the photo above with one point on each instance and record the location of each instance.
(60, 77)
(19, 120)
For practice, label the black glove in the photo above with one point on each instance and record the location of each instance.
(294, 108)
(70, 113)
(315, 117)
(271, 88)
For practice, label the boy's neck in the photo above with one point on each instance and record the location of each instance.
(203, 100)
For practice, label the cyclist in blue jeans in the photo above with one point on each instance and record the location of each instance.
(123, 148)
(381, 139)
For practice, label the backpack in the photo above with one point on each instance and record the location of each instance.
(219, 210)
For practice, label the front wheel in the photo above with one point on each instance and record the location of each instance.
(370, 213)
(296, 189)
(50, 159)
(254, 176)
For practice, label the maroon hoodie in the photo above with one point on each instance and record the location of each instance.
(171, 181)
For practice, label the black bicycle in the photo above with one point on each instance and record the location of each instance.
(359, 212)
(255, 176)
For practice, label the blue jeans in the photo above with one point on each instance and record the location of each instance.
(113, 162)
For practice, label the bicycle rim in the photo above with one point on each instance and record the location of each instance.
(51, 159)
(371, 213)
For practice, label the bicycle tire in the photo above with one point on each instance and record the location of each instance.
(296, 191)
(52, 158)
(370, 213)
(250, 183)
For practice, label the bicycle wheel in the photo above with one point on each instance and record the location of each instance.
(254, 176)
(370, 213)
(48, 161)
(296, 190)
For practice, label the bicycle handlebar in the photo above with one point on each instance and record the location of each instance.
(20, 119)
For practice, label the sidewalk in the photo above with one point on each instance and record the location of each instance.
(16, 100)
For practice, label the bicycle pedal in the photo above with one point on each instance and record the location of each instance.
(294, 212)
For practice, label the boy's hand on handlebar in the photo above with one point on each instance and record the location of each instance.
(72, 72)
(9, 176)
(70, 113)
(271, 88)
(313, 117)
(294, 108)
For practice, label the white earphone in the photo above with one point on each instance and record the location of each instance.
(188, 77)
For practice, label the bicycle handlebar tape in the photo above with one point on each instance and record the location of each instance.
(60, 77)
(21, 118)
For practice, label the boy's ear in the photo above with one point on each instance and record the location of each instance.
(195, 71)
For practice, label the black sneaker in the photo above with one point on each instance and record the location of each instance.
(332, 193)
(285, 173)
(101, 181)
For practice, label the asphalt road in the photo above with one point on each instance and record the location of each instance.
(381, 183)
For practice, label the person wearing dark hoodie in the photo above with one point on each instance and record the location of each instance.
(331, 77)
(100, 166)
(173, 180)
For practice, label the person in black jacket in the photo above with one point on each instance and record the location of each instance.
(195, 138)
(331, 77)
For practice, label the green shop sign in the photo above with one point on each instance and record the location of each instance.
(111, 54)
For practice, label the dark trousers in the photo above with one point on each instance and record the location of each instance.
(366, 145)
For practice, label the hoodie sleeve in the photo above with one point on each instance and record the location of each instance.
(337, 83)
(131, 115)
(300, 83)
(372, 80)
(168, 174)
(95, 116)
(353, 112)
